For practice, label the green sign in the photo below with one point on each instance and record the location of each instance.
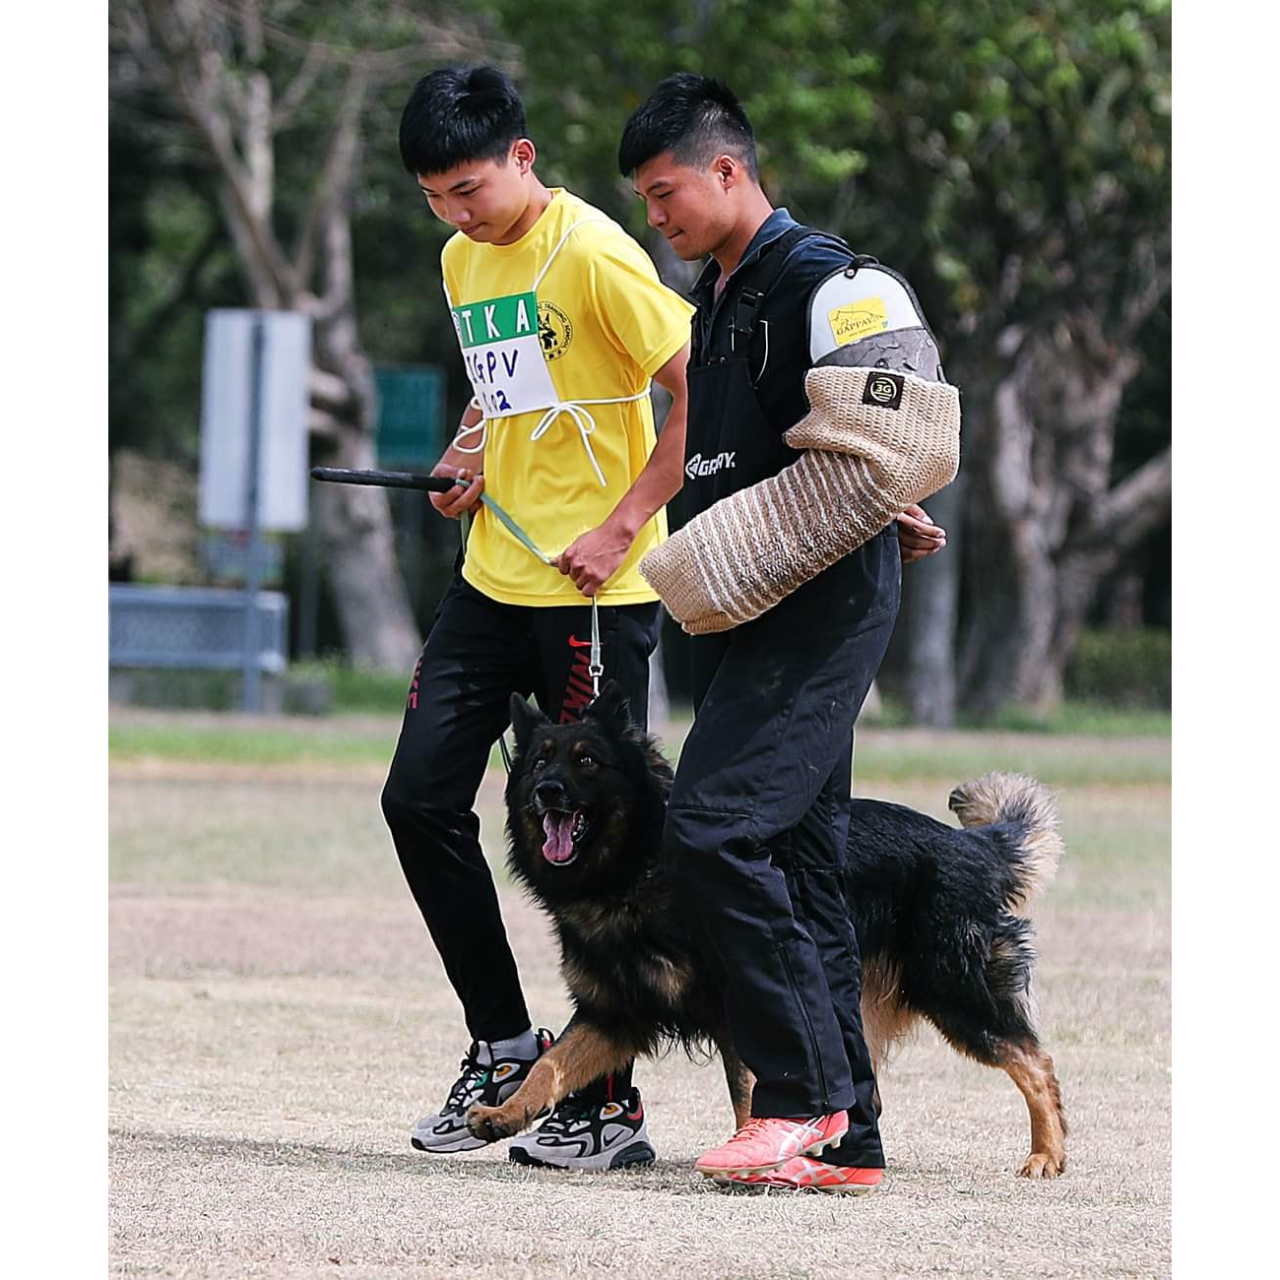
(411, 409)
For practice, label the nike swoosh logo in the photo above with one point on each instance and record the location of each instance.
(579, 644)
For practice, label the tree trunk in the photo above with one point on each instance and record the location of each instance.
(1047, 527)
(931, 594)
(211, 63)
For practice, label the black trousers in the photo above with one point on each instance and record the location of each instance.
(756, 830)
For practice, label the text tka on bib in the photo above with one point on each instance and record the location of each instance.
(503, 355)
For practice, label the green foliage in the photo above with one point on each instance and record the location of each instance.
(1122, 668)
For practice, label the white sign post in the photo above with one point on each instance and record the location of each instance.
(253, 441)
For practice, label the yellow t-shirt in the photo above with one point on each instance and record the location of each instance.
(604, 324)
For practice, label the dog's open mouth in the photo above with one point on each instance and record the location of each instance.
(563, 831)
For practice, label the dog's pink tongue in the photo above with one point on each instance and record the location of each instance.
(559, 829)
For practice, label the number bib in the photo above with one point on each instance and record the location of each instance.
(502, 353)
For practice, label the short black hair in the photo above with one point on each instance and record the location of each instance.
(457, 114)
(694, 117)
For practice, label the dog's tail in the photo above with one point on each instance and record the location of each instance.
(1026, 804)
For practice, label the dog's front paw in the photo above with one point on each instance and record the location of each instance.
(1041, 1164)
(492, 1123)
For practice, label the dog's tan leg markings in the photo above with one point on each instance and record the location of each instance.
(740, 1080)
(885, 1023)
(582, 1054)
(1031, 1069)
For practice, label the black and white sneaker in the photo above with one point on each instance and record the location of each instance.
(588, 1135)
(484, 1079)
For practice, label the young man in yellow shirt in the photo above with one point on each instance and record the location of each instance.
(562, 323)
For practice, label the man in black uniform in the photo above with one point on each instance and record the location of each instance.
(759, 812)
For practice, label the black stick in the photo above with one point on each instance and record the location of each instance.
(384, 479)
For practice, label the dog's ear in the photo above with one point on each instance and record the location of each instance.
(611, 708)
(524, 720)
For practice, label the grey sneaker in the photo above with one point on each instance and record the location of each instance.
(588, 1135)
(484, 1079)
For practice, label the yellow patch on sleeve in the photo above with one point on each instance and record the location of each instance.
(857, 320)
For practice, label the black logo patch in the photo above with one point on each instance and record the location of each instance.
(555, 330)
(884, 390)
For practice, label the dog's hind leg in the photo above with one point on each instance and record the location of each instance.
(739, 1078)
(582, 1054)
(1031, 1069)
(981, 1001)
(1006, 1038)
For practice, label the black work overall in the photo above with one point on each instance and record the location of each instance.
(758, 816)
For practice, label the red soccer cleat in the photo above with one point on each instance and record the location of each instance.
(803, 1174)
(766, 1142)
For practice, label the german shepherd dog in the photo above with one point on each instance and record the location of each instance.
(941, 917)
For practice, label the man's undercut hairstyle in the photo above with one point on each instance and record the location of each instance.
(695, 118)
(459, 114)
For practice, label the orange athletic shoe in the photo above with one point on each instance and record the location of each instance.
(803, 1174)
(766, 1142)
